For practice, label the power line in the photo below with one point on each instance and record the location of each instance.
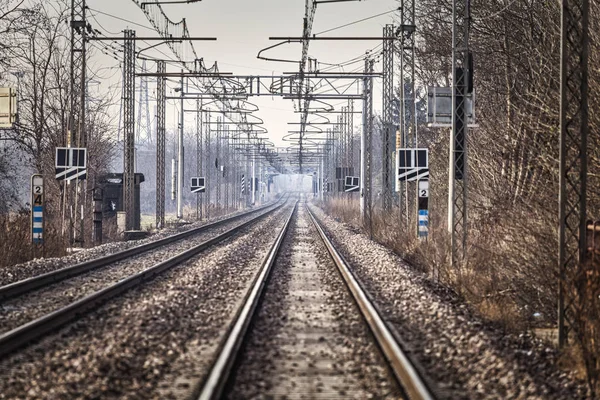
(356, 22)
(122, 19)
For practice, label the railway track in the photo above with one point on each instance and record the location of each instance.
(93, 289)
(298, 333)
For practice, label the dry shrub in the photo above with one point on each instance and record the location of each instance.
(15, 239)
(585, 318)
(501, 277)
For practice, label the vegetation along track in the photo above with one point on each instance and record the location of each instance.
(302, 332)
(50, 308)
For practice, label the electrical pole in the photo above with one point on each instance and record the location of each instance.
(77, 135)
(208, 164)
(408, 130)
(366, 143)
(457, 180)
(180, 157)
(387, 182)
(218, 163)
(199, 155)
(574, 128)
(129, 129)
(253, 177)
(143, 127)
(161, 105)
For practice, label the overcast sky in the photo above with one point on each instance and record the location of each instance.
(243, 28)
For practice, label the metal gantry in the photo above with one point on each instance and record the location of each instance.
(573, 156)
(161, 105)
(388, 145)
(129, 129)
(457, 180)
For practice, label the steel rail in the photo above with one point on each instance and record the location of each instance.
(27, 285)
(12, 340)
(215, 382)
(403, 369)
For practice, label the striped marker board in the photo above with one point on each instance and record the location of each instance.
(37, 209)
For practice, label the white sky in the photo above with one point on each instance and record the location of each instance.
(243, 28)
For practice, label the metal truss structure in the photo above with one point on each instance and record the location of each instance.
(129, 129)
(407, 125)
(457, 185)
(366, 147)
(77, 133)
(573, 158)
(143, 127)
(388, 145)
(318, 86)
(161, 105)
(199, 156)
(208, 163)
(79, 31)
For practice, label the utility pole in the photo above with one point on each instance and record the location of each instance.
(180, 156)
(199, 155)
(208, 164)
(408, 129)
(218, 162)
(457, 180)
(143, 128)
(129, 129)
(161, 105)
(388, 146)
(574, 128)
(226, 164)
(366, 143)
(77, 135)
(253, 177)
(351, 135)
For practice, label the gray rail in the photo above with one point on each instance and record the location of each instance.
(27, 285)
(12, 340)
(402, 367)
(217, 378)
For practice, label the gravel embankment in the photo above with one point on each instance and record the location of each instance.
(465, 356)
(40, 266)
(308, 339)
(28, 307)
(155, 341)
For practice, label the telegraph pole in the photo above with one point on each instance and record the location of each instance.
(574, 128)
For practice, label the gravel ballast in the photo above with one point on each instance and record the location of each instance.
(156, 340)
(308, 339)
(33, 305)
(40, 266)
(464, 356)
